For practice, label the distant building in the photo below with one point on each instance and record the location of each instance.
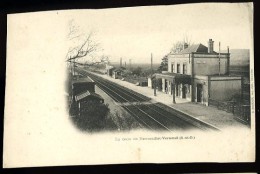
(143, 82)
(199, 74)
(116, 73)
(109, 70)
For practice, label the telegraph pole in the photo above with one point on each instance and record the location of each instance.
(219, 59)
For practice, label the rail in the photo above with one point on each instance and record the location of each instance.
(151, 115)
(139, 114)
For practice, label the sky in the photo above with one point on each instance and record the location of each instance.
(136, 32)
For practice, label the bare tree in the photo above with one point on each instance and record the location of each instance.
(176, 48)
(187, 39)
(102, 59)
(84, 46)
(178, 45)
(84, 49)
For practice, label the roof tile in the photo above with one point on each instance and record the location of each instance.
(198, 48)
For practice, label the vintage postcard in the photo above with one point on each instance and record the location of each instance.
(150, 84)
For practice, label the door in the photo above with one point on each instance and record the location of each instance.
(199, 92)
(165, 86)
(184, 91)
(177, 89)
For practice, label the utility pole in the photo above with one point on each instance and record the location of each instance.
(219, 59)
(120, 61)
(73, 67)
(228, 61)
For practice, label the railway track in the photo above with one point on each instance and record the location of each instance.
(153, 116)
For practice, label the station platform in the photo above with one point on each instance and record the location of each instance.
(208, 114)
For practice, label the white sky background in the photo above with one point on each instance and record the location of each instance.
(136, 32)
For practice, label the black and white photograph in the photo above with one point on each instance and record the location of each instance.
(145, 84)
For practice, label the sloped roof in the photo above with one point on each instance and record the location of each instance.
(87, 94)
(198, 48)
(170, 76)
(117, 70)
(111, 68)
(82, 80)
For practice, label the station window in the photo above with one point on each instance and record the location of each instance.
(173, 67)
(184, 68)
(178, 68)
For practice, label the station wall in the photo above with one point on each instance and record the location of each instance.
(225, 89)
(209, 66)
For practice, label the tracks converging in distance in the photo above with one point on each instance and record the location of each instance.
(153, 116)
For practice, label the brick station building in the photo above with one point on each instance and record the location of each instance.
(199, 74)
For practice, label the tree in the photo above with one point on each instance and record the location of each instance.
(84, 45)
(93, 116)
(178, 46)
(164, 64)
(84, 49)
(137, 71)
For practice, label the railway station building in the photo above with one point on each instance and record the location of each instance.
(199, 74)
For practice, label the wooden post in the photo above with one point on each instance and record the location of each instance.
(219, 60)
(79, 108)
(242, 86)
(228, 61)
(74, 67)
(154, 86)
(192, 79)
(173, 91)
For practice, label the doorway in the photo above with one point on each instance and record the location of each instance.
(199, 92)
(184, 91)
(165, 86)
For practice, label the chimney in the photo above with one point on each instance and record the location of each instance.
(210, 46)
(185, 45)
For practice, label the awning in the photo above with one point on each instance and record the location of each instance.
(178, 78)
(87, 94)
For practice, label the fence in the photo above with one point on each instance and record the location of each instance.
(241, 112)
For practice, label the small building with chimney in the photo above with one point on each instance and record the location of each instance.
(199, 74)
